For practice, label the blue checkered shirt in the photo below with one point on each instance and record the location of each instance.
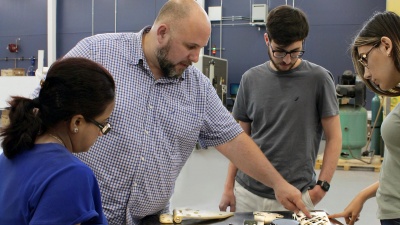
(155, 126)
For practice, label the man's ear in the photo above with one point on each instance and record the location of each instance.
(266, 39)
(162, 32)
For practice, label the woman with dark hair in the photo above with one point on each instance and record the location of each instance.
(42, 182)
(376, 58)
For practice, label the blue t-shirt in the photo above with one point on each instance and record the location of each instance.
(48, 185)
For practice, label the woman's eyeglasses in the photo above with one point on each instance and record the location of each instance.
(104, 128)
(364, 57)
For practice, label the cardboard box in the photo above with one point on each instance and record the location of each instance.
(19, 71)
(7, 72)
(5, 120)
(13, 72)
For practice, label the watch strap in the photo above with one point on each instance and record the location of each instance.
(324, 184)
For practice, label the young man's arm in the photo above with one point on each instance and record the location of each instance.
(228, 198)
(333, 147)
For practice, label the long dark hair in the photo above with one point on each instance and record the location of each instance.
(380, 24)
(73, 86)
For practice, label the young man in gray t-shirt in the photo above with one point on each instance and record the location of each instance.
(285, 105)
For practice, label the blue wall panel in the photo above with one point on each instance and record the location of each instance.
(73, 16)
(134, 15)
(333, 24)
(25, 20)
(104, 16)
(74, 22)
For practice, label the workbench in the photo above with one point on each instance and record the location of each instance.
(237, 219)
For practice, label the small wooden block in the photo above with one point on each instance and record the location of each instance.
(166, 218)
(185, 213)
(266, 217)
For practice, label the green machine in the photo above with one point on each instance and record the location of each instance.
(353, 116)
(377, 145)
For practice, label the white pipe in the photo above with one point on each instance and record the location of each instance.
(201, 3)
(210, 47)
(199, 63)
(220, 34)
(40, 58)
(115, 17)
(41, 71)
(211, 76)
(92, 17)
(251, 10)
(51, 31)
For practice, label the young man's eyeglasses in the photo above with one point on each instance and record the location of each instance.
(364, 57)
(282, 54)
(104, 128)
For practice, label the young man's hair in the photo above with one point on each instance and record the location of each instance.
(286, 24)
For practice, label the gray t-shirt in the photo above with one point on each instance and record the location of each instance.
(388, 194)
(285, 111)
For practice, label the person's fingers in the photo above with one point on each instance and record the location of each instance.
(337, 215)
(302, 207)
(296, 206)
(353, 219)
(290, 206)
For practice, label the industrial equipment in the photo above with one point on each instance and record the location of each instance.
(351, 94)
(216, 69)
(377, 145)
(259, 13)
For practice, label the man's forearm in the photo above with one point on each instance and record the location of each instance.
(246, 156)
(330, 160)
(230, 178)
(333, 147)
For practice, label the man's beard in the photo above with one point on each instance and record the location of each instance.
(271, 57)
(166, 66)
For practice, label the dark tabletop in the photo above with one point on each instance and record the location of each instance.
(237, 219)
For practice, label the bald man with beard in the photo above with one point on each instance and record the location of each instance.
(164, 106)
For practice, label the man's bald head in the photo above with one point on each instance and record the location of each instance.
(176, 11)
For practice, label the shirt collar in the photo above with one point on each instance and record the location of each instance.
(138, 53)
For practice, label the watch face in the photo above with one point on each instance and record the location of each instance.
(324, 185)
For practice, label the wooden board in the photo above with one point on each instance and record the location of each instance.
(236, 219)
(351, 164)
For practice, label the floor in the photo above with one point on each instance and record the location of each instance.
(200, 185)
